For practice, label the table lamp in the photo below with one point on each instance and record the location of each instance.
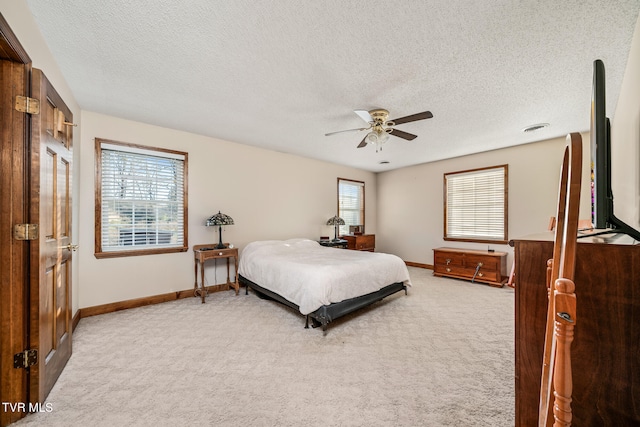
(336, 221)
(220, 219)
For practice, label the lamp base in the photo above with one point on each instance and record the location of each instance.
(220, 244)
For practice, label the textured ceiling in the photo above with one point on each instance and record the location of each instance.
(281, 74)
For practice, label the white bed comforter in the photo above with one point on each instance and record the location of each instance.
(311, 275)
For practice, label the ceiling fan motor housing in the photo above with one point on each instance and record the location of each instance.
(379, 115)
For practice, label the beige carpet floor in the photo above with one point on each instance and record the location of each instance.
(441, 356)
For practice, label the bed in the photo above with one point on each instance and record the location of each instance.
(322, 283)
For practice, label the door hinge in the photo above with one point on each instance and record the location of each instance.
(25, 231)
(25, 359)
(24, 104)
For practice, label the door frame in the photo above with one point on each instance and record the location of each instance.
(15, 150)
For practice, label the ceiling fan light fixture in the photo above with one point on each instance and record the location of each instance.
(377, 136)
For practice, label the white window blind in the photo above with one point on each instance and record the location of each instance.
(476, 204)
(142, 198)
(350, 203)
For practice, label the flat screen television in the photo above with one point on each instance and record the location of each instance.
(602, 213)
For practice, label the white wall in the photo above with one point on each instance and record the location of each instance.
(625, 141)
(269, 195)
(410, 200)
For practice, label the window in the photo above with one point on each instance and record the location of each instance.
(350, 203)
(141, 200)
(475, 205)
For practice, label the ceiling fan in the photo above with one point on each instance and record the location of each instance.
(380, 127)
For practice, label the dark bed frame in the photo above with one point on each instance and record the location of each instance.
(327, 313)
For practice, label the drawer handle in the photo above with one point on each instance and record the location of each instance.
(480, 274)
(476, 273)
(448, 261)
(219, 253)
(448, 270)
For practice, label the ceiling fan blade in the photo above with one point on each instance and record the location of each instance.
(404, 135)
(363, 143)
(342, 131)
(364, 115)
(413, 117)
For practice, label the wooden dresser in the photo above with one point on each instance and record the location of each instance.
(360, 242)
(605, 352)
(479, 266)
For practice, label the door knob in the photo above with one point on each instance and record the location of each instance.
(71, 247)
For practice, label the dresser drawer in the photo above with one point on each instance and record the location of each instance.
(366, 242)
(361, 242)
(466, 273)
(487, 263)
(448, 258)
(464, 263)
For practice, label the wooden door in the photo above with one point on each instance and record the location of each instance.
(14, 254)
(51, 258)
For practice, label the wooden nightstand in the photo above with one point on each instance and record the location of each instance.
(202, 253)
